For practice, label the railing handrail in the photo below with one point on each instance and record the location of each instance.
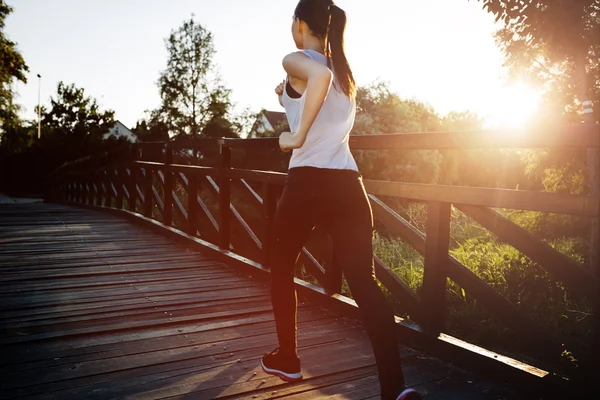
(132, 180)
(582, 136)
(572, 136)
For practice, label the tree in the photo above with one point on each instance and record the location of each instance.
(151, 130)
(12, 66)
(190, 89)
(554, 43)
(73, 127)
(381, 111)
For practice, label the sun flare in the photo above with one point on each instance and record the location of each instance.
(514, 107)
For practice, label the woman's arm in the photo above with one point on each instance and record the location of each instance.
(318, 81)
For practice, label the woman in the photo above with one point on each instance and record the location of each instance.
(324, 187)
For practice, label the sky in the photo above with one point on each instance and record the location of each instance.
(441, 52)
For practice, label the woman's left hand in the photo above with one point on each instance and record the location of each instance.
(288, 141)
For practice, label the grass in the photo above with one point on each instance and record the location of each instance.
(564, 313)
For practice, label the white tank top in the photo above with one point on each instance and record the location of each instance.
(326, 144)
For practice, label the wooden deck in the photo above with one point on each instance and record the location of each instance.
(95, 307)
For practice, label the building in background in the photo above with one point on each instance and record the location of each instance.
(118, 130)
(269, 124)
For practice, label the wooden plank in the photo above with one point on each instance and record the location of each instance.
(192, 194)
(251, 194)
(147, 188)
(498, 198)
(131, 173)
(314, 268)
(109, 343)
(192, 170)
(411, 333)
(435, 274)
(194, 144)
(237, 217)
(275, 178)
(268, 206)
(158, 201)
(205, 211)
(167, 336)
(561, 137)
(224, 198)
(118, 179)
(168, 188)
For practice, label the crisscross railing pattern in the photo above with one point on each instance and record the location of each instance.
(233, 208)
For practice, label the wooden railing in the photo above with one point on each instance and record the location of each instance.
(170, 192)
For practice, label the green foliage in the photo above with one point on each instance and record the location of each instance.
(194, 101)
(12, 66)
(506, 270)
(381, 111)
(151, 131)
(525, 284)
(554, 43)
(404, 260)
(73, 127)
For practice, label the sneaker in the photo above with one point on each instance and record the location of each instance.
(287, 369)
(409, 394)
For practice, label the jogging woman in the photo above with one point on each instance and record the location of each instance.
(324, 187)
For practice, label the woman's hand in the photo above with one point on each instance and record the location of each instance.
(279, 91)
(289, 141)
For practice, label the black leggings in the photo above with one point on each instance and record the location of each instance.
(336, 200)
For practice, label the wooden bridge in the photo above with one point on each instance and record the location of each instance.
(142, 277)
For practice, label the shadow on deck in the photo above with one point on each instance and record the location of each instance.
(96, 307)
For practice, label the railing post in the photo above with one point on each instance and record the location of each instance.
(436, 257)
(224, 195)
(98, 180)
(77, 190)
(147, 192)
(132, 187)
(107, 191)
(168, 187)
(84, 189)
(90, 192)
(269, 208)
(596, 299)
(119, 188)
(192, 206)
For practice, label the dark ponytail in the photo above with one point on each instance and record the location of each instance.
(335, 49)
(328, 21)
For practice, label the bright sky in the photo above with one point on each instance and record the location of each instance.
(438, 51)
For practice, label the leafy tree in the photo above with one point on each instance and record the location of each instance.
(194, 101)
(73, 127)
(151, 130)
(12, 66)
(381, 111)
(554, 43)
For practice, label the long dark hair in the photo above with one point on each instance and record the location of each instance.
(328, 21)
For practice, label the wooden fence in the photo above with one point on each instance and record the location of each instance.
(149, 187)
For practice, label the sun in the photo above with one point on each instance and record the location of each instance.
(514, 106)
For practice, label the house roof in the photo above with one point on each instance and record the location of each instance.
(275, 118)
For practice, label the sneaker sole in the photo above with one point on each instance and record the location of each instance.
(409, 394)
(282, 375)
